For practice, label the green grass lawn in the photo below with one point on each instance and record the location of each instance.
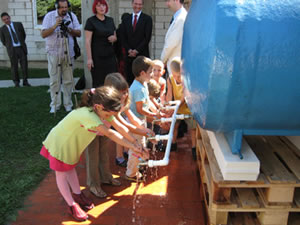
(25, 122)
(5, 73)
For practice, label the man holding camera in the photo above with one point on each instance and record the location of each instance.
(57, 27)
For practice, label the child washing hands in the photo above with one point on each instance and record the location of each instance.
(67, 140)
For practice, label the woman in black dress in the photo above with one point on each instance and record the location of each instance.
(100, 33)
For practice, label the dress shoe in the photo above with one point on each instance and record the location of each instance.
(26, 84)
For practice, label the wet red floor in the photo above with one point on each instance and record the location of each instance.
(171, 198)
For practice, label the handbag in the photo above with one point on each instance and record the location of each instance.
(77, 50)
(80, 85)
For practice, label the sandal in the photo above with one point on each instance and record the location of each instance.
(77, 213)
(134, 179)
(83, 201)
(113, 182)
(98, 191)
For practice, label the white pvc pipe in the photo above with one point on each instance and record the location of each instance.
(178, 117)
(165, 160)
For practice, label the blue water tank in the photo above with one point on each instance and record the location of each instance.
(241, 62)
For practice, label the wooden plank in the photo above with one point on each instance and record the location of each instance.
(206, 216)
(216, 217)
(250, 219)
(290, 159)
(273, 218)
(280, 204)
(291, 145)
(279, 194)
(205, 195)
(229, 205)
(198, 133)
(297, 197)
(270, 165)
(247, 198)
(221, 195)
(294, 219)
(242, 219)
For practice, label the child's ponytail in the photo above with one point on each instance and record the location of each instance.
(109, 97)
(86, 98)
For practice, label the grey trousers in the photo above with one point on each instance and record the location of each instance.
(97, 161)
(58, 75)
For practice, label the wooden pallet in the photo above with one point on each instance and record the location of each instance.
(271, 198)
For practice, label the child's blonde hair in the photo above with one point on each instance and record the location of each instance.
(117, 81)
(157, 62)
(176, 64)
(153, 88)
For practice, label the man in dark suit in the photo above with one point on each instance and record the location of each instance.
(13, 38)
(136, 31)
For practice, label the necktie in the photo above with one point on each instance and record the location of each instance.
(172, 20)
(13, 35)
(134, 22)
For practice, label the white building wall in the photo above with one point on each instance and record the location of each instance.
(23, 11)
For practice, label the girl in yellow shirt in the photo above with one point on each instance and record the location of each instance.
(68, 139)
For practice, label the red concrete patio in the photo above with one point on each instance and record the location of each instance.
(171, 198)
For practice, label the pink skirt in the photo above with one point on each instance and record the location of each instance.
(54, 163)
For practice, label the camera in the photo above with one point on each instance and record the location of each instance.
(64, 25)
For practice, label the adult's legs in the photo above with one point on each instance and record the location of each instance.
(67, 80)
(24, 64)
(55, 79)
(102, 67)
(14, 67)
